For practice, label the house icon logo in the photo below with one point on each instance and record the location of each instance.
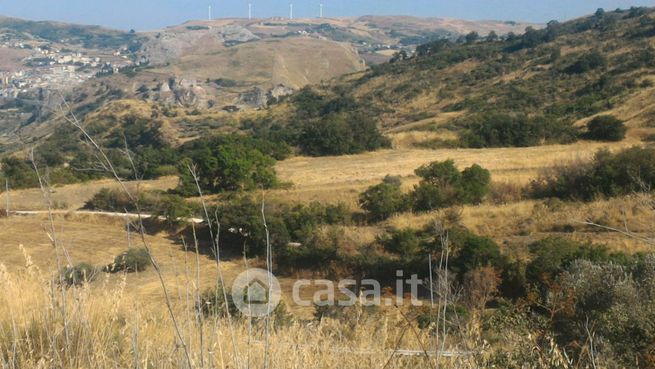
(256, 293)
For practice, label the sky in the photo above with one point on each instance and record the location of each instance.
(153, 14)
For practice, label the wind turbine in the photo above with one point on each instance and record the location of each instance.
(320, 12)
(249, 11)
(210, 12)
(291, 11)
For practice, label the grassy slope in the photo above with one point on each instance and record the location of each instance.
(504, 76)
(58, 32)
(294, 62)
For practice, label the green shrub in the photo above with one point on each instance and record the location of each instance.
(78, 274)
(443, 185)
(552, 255)
(473, 251)
(317, 253)
(110, 200)
(586, 63)
(132, 260)
(340, 134)
(507, 130)
(606, 128)
(475, 184)
(383, 200)
(171, 207)
(618, 300)
(20, 173)
(405, 243)
(213, 302)
(225, 163)
(609, 174)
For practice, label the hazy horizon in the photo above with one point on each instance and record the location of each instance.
(144, 15)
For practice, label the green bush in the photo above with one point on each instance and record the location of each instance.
(553, 255)
(340, 134)
(78, 274)
(225, 163)
(443, 185)
(606, 128)
(609, 174)
(171, 207)
(586, 63)
(406, 243)
(213, 302)
(475, 185)
(473, 251)
(132, 260)
(383, 200)
(619, 301)
(507, 130)
(317, 253)
(20, 173)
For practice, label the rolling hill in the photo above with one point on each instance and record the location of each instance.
(206, 68)
(563, 74)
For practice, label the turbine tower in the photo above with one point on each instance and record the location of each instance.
(249, 11)
(291, 11)
(320, 12)
(210, 12)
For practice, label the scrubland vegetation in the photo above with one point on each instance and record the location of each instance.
(550, 271)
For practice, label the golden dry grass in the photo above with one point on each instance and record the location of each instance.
(517, 224)
(74, 196)
(341, 179)
(102, 326)
(294, 62)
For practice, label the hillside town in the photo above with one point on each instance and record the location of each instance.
(50, 67)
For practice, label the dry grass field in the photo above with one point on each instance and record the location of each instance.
(72, 197)
(294, 62)
(341, 179)
(97, 240)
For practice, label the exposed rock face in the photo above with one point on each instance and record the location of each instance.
(258, 98)
(171, 44)
(253, 98)
(278, 91)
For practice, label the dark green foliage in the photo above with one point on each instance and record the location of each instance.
(132, 260)
(473, 251)
(171, 207)
(323, 126)
(503, 130)
(67, 157)
(316, 253)
(586, 63)
(618, 300)
(242, 225)
(19, 173)
(553, 255)
(339, 134)
(111, 200)
(629, 171)
(475, 184)
(78, 274)
(225, 163)
(405, 243)
(443, 185)
(383, 200)
(217, 302)
(606, 128)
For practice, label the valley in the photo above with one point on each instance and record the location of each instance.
(504, 171)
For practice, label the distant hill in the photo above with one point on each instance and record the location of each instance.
(208, 68)
(561, 75)
(90, 37)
